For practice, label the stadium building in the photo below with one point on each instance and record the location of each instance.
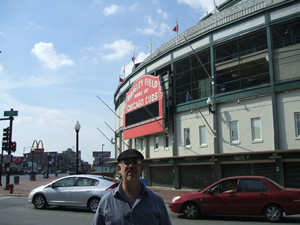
(220, 99)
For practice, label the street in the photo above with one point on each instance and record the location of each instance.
(17, 211)
(11, 206)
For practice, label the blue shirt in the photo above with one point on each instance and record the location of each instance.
(148, 209)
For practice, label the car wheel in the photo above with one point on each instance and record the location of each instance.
(39, 202)
(93, 204)
(191, 210)
(273, 213)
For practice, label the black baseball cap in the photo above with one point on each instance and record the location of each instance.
(130, 153)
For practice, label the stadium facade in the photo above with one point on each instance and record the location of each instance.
(220, 99)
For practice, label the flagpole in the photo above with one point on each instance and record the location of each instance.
(177, 30)
(215, 12)
(150, 45)
(124, 72)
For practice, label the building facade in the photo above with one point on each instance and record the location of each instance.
(222, 99)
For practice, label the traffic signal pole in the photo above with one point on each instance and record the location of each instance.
(11, 118)
(1, 163)
(11, 115)
(4, 145)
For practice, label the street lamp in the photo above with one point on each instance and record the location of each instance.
(32, 174)
(77, 128)
(47, 174)
(209, 103)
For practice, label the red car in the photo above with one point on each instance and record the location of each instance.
(246, 195)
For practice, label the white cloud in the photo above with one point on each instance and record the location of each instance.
(91, 48)
(33, 26)
(111, 10)
(46, 53)
(133, 7)
(119, 48)
(153, 28)
(162, 13)
(206, 5)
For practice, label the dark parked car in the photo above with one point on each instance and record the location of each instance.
(247, 195)
(75, 190)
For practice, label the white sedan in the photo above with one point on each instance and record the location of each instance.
(75, 190)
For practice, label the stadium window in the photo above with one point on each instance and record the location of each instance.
(234, 132)
(202, 135)
(256, 129)
(136, 143)
(191, 77)
(286, 34)
(297, 123)
(143, 144)
(156, 142)
(241, 62)
(187, 140)
(167, 141)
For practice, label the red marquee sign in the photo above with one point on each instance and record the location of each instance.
(17, 159)
(143, 112)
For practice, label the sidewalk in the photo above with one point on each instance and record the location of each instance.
(24, 187)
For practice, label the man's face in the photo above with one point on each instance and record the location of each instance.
(131, 169)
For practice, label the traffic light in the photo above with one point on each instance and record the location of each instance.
(5, 140)
(13, 146)
(5, 146)
(6, 134)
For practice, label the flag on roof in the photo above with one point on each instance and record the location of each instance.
(175, 28)
(149, 45)
(121, 79)
(216, 7)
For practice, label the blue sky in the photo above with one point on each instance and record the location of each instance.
(57, 56)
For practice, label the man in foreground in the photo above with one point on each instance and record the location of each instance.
(131, 202)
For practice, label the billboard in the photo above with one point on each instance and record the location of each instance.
(104, 154)
(17, 159)
(143, 112)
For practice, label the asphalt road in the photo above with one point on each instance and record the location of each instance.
(17, 211)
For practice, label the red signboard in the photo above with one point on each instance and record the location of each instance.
(38, 150)
(17, 159)
(143, 112)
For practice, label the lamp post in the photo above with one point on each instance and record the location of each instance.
(209, 103)
(77, 128)
(47, 173)
(32, 174)
(102, 157)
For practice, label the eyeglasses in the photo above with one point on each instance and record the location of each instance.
(134, 163)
